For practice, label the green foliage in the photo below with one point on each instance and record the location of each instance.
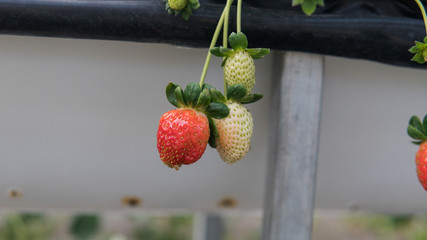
(85, 226)
(26, 226)
(164, 228)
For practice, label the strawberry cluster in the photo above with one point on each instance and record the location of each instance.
(204, 115)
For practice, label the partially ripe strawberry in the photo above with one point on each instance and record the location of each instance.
(239, 68)
(418, 131)
(234, 133)
(182, 136)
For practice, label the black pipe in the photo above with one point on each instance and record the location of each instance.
(377, 37)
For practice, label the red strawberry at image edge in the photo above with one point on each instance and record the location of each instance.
(182, 136)
(421, 163)
(418, 131)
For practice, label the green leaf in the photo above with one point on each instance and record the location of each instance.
(221, 51)
(297, 2)
(236, 92)
(251, 98)
(208, 86)
(413, 49)
(415, 121)
(213, 133)
(191, 93)
(195, 6)
(217, 96)
(217, 110)
(238, 41)
(204, 99)
(258, 53)
(415, 133)
(308, 6)
(419, 58)
(179, 95)
(223, 62)
(185, 15)
(170, 95)
(425, 123)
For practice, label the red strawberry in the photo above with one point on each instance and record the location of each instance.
(421, 162)
(182, 136)
(418, 131)
(183, 133)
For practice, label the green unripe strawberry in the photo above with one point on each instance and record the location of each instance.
(239, 68)
(177, 4)
(234, 133)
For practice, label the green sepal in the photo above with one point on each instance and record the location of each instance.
(204, 99)
(257, 53)
(415, 122)
(417, 142)
(217, 110)
(415, 133)
(223, 62)
(413, 49)
(194, 4)
(213, 133)
(308, 6)
(419, 58)
(217, 96)
(221, 51)
(186, 12)
(179, 95)
(425, 123)
(191, 93)
(238, 41)
(170, 93)
(236, 92)
(207, 86)
(251, 98)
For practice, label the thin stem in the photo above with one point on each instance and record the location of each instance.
(239, 16)
(213, 42)
(423, 11)
(225, 34)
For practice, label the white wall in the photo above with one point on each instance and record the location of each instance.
(78, 121)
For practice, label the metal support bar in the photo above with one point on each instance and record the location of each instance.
(296, 100)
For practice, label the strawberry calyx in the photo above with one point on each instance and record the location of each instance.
(417, 129)
(198, 98)
(420, 51)
(183, 7)
(238, 42)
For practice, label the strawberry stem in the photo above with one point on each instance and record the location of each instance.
(423, 12)
(239, 16)
(213, 42)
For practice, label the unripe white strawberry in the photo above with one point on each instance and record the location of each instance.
(234, 133)
(239, 68)
(177, 4)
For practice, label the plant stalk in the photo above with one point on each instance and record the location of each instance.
(423, 12)
(239, 16)
(213, 42)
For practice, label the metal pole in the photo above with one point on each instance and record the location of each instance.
(296, 100)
